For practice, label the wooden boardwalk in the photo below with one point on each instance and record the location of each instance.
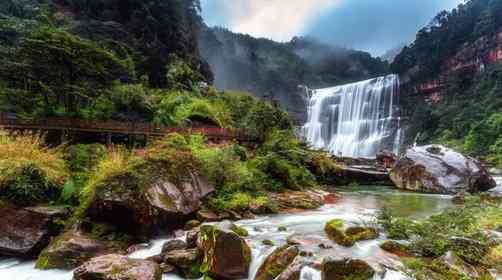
(148, 130)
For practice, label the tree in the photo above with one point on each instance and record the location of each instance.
(65, 70)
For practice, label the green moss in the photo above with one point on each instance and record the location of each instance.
(334, 230)
(282, 228)
(361, 233)
(239, 230)
(268, 242)
(395, 248)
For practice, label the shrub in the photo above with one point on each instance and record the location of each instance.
(29, 172)
(81, 160)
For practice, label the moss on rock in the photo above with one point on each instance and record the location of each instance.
(226, 255)
(242, 232)
(346, 269)
(395, 248)
(277, 262)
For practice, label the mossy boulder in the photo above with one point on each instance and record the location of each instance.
(226, 254)
(75, 247)
(187, 262)
(305, 200)
(346, 269)
(395, 248)
(117, 267)
(24, 232)
(358, 233)
(336, 232)
(239, 230)
(141, 206)
(335, 229)
(294, 270)
(277, 262)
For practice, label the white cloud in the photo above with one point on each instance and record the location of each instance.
(275, 19)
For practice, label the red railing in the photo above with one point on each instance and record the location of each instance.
(10, 121)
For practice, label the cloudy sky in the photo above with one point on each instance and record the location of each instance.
(371, 25)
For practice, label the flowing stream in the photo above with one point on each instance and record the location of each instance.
(357, 206)
(355, 120)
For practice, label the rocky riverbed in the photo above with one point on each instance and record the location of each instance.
(357, 207)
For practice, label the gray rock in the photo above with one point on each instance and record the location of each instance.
(172, 245)
(436, 169)
(117, 267)
(24, 232)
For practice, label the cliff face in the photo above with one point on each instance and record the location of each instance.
(450, 77)
(275, 71)
(470, 59)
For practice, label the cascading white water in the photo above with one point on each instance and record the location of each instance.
(355, 120)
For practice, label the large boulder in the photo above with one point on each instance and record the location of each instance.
(226, 254)
(277, 262)
(436, 169)
(299, 200)
(74, 247)
(187, 261)
(24, 232)
(335, 230)
(294, 270)
(140, 210)
(333, 269)
(117, 267)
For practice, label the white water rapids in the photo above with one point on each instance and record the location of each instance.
(355, 120)
(356, 207)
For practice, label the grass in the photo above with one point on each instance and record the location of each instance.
(116, 162)
(23, 149)
(29, 171)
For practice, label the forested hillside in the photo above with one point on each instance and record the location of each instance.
(453, 72)
(80, 58)
(275, 70)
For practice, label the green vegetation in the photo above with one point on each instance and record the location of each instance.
(30, 172)
(468, 119)
(467, 116)
(335, 229)
(460, 231)
(84, 59)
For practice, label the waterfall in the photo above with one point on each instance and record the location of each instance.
(355, 120)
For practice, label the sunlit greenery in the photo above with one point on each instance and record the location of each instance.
(29, 172)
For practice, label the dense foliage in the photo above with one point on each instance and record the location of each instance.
(468, 118)
(85, 58)
(467, 115)
(29, 172)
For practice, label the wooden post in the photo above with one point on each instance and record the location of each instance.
(108, 139)
(63, 136)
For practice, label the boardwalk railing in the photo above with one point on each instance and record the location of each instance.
(10, 122)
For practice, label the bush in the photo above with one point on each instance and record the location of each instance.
(81, 160)
(29, 172)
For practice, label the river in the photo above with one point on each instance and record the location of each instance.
(357, 206)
